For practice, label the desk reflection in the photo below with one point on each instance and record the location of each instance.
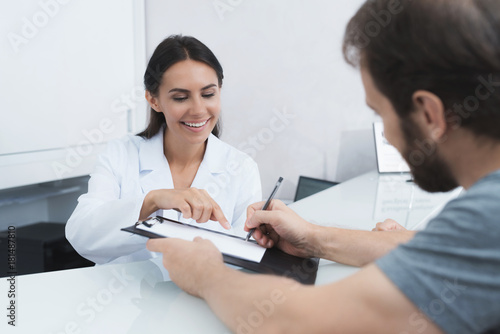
(406, 203)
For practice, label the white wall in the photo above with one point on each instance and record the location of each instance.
(65, 69)
(281, 56)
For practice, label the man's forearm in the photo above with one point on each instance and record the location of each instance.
(356, 247)
(250, 303)
(366, 302)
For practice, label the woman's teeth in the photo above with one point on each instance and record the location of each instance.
(196, 125)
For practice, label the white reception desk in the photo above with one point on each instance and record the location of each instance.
(139, 298)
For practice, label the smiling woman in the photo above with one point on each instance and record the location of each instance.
(169, 53)
(189, 100)
(177, 164)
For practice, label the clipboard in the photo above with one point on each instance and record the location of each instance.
(274, 261)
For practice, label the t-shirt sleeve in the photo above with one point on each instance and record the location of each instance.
(451, 270)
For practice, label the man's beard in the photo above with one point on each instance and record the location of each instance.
(430, 172)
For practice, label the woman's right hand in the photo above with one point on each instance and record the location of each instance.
(191, 202)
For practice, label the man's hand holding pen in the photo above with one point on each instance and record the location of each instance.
(280, 226)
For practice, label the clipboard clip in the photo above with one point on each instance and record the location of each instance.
(150, 222)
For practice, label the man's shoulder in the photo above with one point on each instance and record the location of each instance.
(457, 251)
(479, 203)
(487, 185)
(470, 221)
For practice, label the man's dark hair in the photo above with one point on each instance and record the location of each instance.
(448, 47)
(170, 51)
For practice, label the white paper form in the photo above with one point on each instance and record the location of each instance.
(227, 244)
(389, 160)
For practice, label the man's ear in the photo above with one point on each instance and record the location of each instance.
(153, 101)
(431, 114)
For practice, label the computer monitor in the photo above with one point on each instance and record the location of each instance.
(309, 186)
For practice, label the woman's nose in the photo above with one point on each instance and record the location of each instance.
(198, 106)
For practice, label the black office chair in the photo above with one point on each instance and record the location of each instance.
(309, 186)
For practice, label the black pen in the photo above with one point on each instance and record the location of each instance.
(275, 190)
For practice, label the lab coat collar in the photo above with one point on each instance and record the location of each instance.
(151, 155)
(213, 155)
(153, 166)
(155, 170)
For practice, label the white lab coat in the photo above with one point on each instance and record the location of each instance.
(129, 169)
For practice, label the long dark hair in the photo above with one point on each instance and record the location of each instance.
(449, 48)
(172, 50)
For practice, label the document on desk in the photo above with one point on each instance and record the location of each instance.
(227, 244)
(389, 160)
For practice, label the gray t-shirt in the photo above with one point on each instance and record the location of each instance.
(451, 270)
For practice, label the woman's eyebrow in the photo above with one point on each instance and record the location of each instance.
(179, 90)
(182, 90)
(209, 86)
